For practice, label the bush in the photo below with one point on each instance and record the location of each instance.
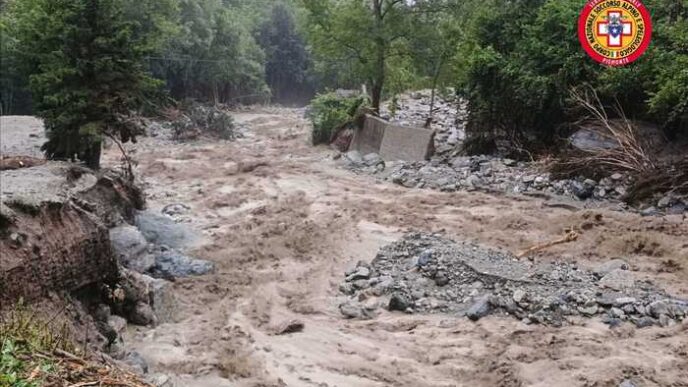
(200, 119)
(329, 112)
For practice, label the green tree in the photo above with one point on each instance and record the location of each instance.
(359, 38)
(519, 61)
(86, 72)
(287, 63)
(213, 54)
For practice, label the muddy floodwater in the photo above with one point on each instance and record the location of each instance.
(282, 224)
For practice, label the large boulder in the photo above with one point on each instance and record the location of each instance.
(131, 248)
(163, 230)
(156, 294)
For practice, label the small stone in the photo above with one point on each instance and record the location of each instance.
(137, 362)
(399, 302)
(519, 295)
(650, 211)
(620, 190)
(424, 258)
(644, 322)
(171, 263)
(351, 309)
(627, 383)
(665, 201)
(618, 313)
(589, 310)
(361, 284)
(621, 301)
(509, 162)
(441, 279)
(659, 308)
(372, 159)
(354, 156)
(361, 273)
(618, 280)
(617, 176)
(665, 321)
(479, 309)
(290, 326)
(142, 315)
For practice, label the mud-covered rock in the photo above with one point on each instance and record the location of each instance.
(156, 293)
(172, 264)
(131, 248)
(163, 230)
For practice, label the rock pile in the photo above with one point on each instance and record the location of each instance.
(425, 273)
(449, 171)
(152, 247)
(494, 174)
(412, 109)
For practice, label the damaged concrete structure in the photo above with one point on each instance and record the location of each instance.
(393, 142)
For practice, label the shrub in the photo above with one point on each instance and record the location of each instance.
(199, 119)
(330, 112)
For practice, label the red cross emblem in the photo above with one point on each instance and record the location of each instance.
(614, 29)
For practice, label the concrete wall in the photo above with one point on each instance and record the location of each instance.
(393, 142)
(406, 143)
(369, 139)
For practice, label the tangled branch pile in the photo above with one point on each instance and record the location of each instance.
(629, 152)
(198, 119)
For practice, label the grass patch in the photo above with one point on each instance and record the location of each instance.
(36, 352)
(24, 337)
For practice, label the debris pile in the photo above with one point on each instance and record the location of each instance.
(200, 119)
(412, 109)
(425, 273)
(501, 175)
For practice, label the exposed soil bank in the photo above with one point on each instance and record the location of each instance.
(54, 236)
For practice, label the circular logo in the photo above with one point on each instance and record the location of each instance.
(615, 32)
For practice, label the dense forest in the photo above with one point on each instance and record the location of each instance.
(84, 64)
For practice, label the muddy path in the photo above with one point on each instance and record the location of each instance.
(282, 222)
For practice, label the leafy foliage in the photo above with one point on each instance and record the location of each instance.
(525, 55)
(212, 55)
(22, 333)
(330, 112)
(355, 41)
